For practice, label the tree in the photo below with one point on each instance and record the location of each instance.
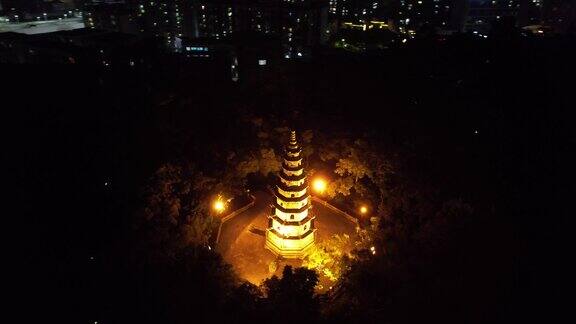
(353, 166)
(331, 257)
(192, 284)
(268, 162)
(292, 294)
(176, 214)
(244, 302)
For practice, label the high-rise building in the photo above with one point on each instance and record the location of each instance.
(560, 16)
(300, 24)
(414, 14)
(483, 13)
(355, 10)
(291, 230)
(110, 16)
(404, 16)
(31, 7)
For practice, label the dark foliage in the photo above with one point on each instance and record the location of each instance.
(474, 227)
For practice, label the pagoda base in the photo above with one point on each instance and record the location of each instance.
(289, 248)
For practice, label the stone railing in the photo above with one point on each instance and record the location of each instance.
(232, 215)
(335, 209)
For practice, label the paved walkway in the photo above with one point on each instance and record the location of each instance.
(242, 238)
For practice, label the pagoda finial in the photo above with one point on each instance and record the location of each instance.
(292, 137)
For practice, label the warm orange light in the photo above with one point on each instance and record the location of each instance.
(219, 205)
(363, 209)
(319, 185)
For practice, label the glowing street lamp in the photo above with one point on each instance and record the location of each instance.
(363, 210)
(319, 185)
(219, 206)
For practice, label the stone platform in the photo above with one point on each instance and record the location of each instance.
(242, 239)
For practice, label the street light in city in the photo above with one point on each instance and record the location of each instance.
(363, 209)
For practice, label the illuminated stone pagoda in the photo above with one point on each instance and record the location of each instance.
(291, 229)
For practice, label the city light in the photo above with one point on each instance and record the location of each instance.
(363, 209)
(319, 185)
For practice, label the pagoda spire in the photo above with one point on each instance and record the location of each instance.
(293, 138)
(291, 228)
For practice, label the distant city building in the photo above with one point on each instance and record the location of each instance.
(354, 10)
(440, 14)
(560, 16)
(89, 47)
(111, 16)
(300, 24)
(29, 8)
(483, 13)
(359, 14)
(18, 11)
(402, 16)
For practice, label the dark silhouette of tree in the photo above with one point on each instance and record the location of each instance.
(192, 285)
(244, 304)
(177, 211)
(292, 295)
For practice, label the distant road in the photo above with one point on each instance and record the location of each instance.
(42, 26)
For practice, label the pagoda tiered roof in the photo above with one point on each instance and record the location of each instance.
(291, 210)
(291, 168)
(293, 223)
(291, 229)
(285, 187)
(289, 199)
(297, 237)
(287, 177)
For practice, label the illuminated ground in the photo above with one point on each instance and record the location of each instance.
(242, 238)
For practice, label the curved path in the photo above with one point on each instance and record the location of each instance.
(232, 229)
(242, 240)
